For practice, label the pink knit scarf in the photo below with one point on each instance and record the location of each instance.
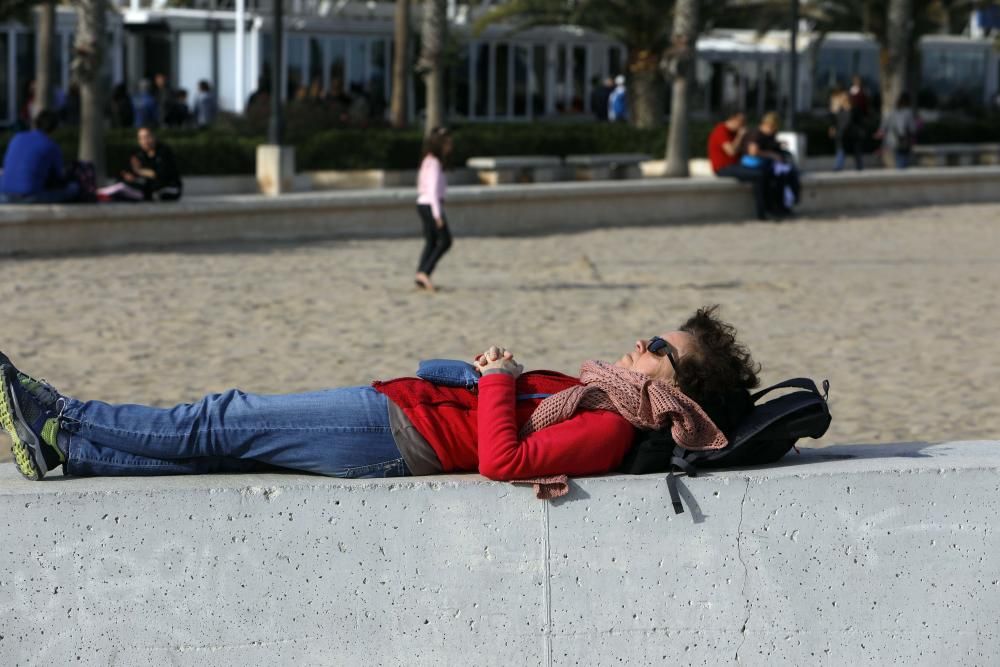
(644, 402)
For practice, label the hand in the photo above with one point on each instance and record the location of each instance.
(439, 222)
(498, 357)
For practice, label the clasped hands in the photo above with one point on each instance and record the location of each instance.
(497, 358)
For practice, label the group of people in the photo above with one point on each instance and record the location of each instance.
(756, 156)
(34, 171)
(355, 106)
(156, 104)
(609, 99)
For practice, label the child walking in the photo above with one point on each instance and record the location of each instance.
(432, 186)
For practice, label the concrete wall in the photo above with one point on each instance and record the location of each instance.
(473, 210)
(846, 555)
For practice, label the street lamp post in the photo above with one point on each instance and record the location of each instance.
(275, 128)
(793, 69)
(276, 163)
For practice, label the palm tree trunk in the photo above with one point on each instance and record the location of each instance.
(431, 64)
(896, 63)
(400, 64)
(43, 66)
(646, 94)
(680, 66)
(88, 68)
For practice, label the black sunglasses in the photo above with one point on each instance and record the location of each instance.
(662, 348)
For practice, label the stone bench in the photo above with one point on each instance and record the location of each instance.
(940, 155)
(516, 169)
(845, 555)
(606, 166)
(476, 210)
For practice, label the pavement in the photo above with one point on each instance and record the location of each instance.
(897, 309)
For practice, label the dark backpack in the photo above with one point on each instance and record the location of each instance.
(85, 175)
(763, 436)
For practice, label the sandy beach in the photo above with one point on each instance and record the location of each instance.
(897, 309)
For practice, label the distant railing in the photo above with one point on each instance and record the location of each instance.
(291, 7)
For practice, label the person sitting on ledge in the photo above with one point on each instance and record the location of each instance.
(497, 420)
(33, 167)
(152, 173)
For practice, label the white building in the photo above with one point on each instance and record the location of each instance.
(499, 75)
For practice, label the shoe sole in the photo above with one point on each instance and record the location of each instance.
(25, 445)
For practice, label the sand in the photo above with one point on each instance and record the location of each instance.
(897, 309)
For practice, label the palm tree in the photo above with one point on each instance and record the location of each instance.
(898, 45)
(678, 62)
(431, 62)
(400, 64)
(21, 10)
(88, 64)
(44, 65)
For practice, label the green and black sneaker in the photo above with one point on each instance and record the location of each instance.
(43, 392)
(33, 428)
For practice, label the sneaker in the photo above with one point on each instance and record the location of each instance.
(32, 428)
(43, 392)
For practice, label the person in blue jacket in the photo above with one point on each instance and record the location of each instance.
(33, 166)
(618, 101)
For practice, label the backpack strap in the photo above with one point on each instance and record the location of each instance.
(675, 496)
(795, 383)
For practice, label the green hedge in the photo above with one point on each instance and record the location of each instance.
(231, 149)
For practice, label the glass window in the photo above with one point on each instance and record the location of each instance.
(561, 89)
(4, 82)
(521, 60)
(614, 61)
(337, 53)
(293, 68)
(952, 78)
(502, 81)
(482, 80)
(579, 81)
(458, 90)
(539, 80)
(264, 75)
(24, 63)
(377, 73)
(357, 63)
(316, 85)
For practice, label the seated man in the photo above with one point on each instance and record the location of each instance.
(33, 166)
(724, 154)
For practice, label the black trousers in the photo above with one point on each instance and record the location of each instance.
(436, 241)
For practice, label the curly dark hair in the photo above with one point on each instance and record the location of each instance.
(719, 372)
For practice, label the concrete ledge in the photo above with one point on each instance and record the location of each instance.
(476, 210)
(875, 555)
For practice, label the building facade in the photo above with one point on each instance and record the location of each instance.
(498, 75)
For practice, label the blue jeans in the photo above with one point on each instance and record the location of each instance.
(337, 432)
(68, 193)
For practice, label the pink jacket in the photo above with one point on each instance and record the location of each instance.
(432, 185)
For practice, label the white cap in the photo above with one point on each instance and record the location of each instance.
(620, 80)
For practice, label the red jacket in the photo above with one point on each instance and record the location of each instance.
(479, 431)
(717, 155)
